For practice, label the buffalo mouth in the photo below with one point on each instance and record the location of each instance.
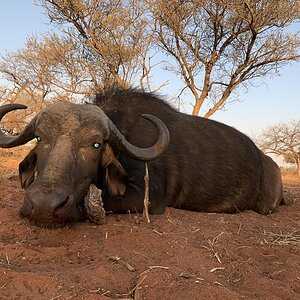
(41, 213)
(54, 221)
(49, 224)
(90, 208)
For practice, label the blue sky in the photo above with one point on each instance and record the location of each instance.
(18, 20)
(278, 99)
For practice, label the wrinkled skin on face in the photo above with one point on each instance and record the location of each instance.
(71, 153)
(75, 149)
(65, 161)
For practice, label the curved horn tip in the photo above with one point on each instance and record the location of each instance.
(14, 106)
(4, 109)
(8, 141)
(156, 120)
(19, 106)
(142, 154)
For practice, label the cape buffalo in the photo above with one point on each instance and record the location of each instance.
(75, 148)
(205, 166)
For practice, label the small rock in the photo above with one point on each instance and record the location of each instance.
(94, 205)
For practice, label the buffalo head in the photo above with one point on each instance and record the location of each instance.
(76, 147)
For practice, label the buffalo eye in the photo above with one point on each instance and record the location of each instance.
(38, 138)
(96, 145)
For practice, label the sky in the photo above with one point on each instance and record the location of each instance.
(276, 100)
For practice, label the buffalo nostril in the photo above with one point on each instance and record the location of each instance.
(64, 207)
(44, 205)
(62, 203)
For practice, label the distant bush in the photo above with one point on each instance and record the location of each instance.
(288, 171)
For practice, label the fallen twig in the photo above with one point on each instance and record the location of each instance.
(189, 276)
(212, 247)
(136, 288)
(7, 259)
(151, 268)
(56, 297)
(216, 269)
(282, 238)
(240, 227)
(156, 231)
(122, 262)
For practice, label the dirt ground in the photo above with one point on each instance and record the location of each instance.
(179, 255)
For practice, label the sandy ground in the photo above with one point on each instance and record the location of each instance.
(179, 255)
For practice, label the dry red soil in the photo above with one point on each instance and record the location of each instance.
(179, 255)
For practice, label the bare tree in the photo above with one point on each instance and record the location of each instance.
(51, 67)
(113, 32)
(62, 66)
(33, 74)
(216, 46)
(16, 120)
(283, 139)
(47, 68)
(20, 85)
(221, 45)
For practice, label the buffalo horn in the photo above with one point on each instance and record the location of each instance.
(8, 141)
(143, 154)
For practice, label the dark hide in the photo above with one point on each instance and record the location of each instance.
(75, 148)
(208, 166)
(27, 169)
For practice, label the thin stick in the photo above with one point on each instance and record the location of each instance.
(146, 197)
(122, 262)
(56, 297)
(7, 259)
(151, 268)
(136, 288)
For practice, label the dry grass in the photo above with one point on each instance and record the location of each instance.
(281, 238)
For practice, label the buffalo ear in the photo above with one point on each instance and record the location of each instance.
(115, 176)
(27, 169)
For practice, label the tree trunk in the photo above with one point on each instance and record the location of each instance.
(219, 103)
(196, 108)
(199, 101)
(298, 167)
